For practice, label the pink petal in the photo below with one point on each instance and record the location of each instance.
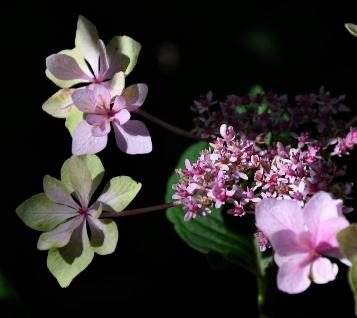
(84, 99)
(133, 137)
(287, 243)
(65, 67)
(274, 215)
(318, 209)
(323, 271)
(122, 116)
(119, 103)
(96, 119)
(135, 96)
(101, 95)
(84, 142)
(103, 60)
(293, 277)
(101, 129)
(57, 192)
(327, 233)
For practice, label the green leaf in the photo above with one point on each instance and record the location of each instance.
(262, 107)
(41, 214)
(67, 262)
(74, 117)
(347, 240)
(267, 139)
(256, 90)
(126, 46)
(6, 290)
(352, 278)
(210, 234)
(59, 104)
(75, 175)
(352, 28)
(118, 193)
(240, 109)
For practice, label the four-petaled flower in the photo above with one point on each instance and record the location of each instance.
(89, 62)
(301, 238)
(65, 210)
(91, 135)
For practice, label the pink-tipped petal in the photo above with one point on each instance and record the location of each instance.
(133, 137)
(293, 277)
(319, 208)
(274, 215)
(119, 103)
(84, 142)
(95, 119)
(65, 67)
(135, 96)
(84, 99)
(323, 271)
(122, 116)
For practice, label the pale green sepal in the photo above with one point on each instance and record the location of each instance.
(118, 193)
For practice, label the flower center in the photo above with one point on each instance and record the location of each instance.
(82, 211)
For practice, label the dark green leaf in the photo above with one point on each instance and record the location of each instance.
(210, 234)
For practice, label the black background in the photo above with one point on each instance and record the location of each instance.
(226, 46)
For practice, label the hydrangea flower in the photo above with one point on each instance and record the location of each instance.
(236, 172)
(89, 62)
(302, 239)
(66, 210)
(100, 113)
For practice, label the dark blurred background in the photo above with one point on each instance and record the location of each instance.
(188, 49)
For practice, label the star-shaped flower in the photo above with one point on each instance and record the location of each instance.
(100, 113)
(89, 62)
(302, 238)
(65, 211)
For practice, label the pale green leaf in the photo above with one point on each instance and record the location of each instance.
(67, 262)
(352, 28)
(126, 46)
(59, 104)
(352, 278)
(118, 193)
(41, 214)
(74, 117)
(347, 239)
(75, 175)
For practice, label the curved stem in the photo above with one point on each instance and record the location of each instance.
(164, 124)
(136, 211)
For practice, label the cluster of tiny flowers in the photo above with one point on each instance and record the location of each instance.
(258, 114)
(345, 144)
(236, 172)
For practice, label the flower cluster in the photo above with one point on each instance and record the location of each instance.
(255, 115)
(344, 144)
(237, 172)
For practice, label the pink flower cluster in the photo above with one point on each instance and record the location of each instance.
(237, 173)
(343, 145)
